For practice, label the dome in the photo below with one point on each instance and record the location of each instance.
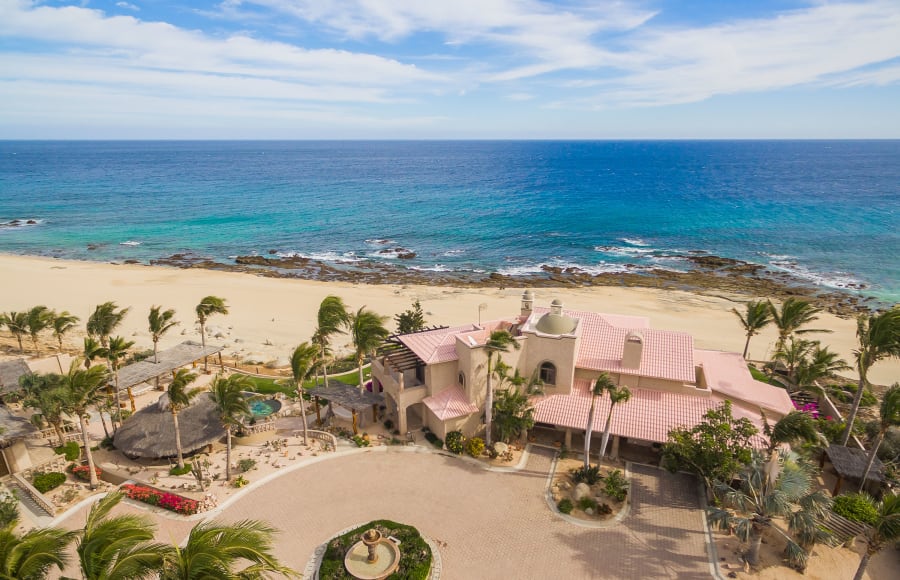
(556, 324)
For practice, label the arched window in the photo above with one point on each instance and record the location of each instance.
(461, 379)
(548, 373)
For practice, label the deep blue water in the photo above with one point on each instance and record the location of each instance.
(827, 211)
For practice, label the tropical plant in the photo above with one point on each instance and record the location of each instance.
(208, 306)
(17, 324)
(179, 398)
(367, 332)
(244, 549)
(603, 384)
(793, 315)
(411, 320)
(821, 363)
(39, 318)
(882, 532)
(116, 351)
(92, 350)
(888, 416)
(751, 509)
(456, 442)
(474, 446)
(794, 427)
(9, 508)
(857, 507)
(615, 485)
(118, 547)
(331, 319)
(45, 394)
(104, 320)
(232, 406)
(513, 414)
(792, 354)
(879, 338)
(618, 394)
(589, 475)
(303, 362)
(82, 388)
(159, 322)
(62, 323)
(757, 317)
(32, 555)
(499, 342)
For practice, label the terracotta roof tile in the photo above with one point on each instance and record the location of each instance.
(450, 404)
(727, 373)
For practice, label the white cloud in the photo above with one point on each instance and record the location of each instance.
(128, 6)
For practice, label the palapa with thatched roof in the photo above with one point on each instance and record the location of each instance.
(170, 360)
(151, 431)
(10, 372)
(850, 463)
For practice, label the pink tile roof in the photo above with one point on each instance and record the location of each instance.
(450, 404)
(666, 354)
(649, 415)
(727, 373)
(435, 346)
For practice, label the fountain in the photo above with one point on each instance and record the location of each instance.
(374, 557)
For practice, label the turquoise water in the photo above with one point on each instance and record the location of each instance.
(825, 211)
(264, 408)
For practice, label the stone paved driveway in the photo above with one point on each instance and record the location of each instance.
(490, 525)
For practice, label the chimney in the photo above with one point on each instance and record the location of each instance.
(527, 303)
(556, 307)
(632, 351)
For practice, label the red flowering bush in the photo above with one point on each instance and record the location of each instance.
(84, 472)
(163, 499)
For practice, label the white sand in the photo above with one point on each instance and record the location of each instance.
(282, 312)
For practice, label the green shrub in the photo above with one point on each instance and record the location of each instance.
(615, 485)
(175, 470)
(360, 441)
(415, 554)
(475, 446)
(107, 443)
(434, 439)
(587, 503)
(565, 506)
(456, 442)
(71, 450)
(857, 507)
(846, 393)
(44, 482)
(589, 475)
(246, 465)
(9, 508)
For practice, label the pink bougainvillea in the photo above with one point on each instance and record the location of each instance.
(163, 499)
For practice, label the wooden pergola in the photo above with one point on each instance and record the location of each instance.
(348, 396)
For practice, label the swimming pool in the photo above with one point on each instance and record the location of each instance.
(264, 407)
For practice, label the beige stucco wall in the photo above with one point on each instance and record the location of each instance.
(17, 457)
(560, 350)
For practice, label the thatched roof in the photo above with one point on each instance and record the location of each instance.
(347, 395)
(151, 432)
(13, 427)
(850, 463)
(10, 371)
(169, 360)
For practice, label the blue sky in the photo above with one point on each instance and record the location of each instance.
(449, 69)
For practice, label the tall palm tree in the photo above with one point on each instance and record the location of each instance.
(116, 352)
(331, 319)
(794, 314)
(39, 318)
(367, 332)
(17, 324)
(207, 307)
(232, 407)
(82, 391)
(757, 317)
(104, 320)
(62, 323)
(119, 547)
(889, 416)
(885, 530)
(602, 385)
(160, 321)
(92, 350)
(751, 509)
(44, 394)
(879, 339)
(792, 354)
(31, 556)
(618, 394)
(819, 364)
(179, 398)
(498, 342)
(217, 550)
(303, 362)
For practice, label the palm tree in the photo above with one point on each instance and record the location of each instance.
(602, 385)
(119, 547)
(32, 555)
(332, 318)
(104, 320)
(499, 341)
(39, 318)
(63, 323)
(216, 550)
(619, 394)
(116, 352)
(882, 532)
(879, 338)
(795, 427)
(367, 332)
(889, 416)
(44, 394)
(303, 361)
(750, 510)
(513, 413)
(792, 354)
(179, 398)
(232, 406)
(758, 316)
(17, 324)
(794, 314)
(82, 388)
(207, 307)
(92, 350)
(821, 363)
(160, 322)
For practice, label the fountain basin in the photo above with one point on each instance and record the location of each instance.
(387, 560)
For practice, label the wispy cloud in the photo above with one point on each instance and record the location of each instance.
(128, 6)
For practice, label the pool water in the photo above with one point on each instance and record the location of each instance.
(264, 408)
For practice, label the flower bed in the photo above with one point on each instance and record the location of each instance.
(415, 554)
(83, 472)
(166, 500)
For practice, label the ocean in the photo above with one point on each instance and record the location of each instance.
(826, 212)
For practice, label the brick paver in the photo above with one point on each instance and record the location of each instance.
(489, 525)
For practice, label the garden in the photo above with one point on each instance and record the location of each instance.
(415, 553)
(595, 493)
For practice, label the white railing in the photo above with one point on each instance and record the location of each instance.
(57, 463)
(34, 494)
(71, 434)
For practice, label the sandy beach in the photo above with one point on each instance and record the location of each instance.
(269, 316)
